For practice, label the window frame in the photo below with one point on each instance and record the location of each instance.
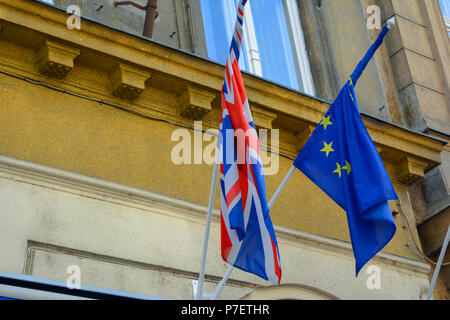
(298, 44)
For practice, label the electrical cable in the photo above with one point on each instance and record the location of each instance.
(135, 112)
(423, 255)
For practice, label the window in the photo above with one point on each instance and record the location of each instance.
(273, 46)
(445, 6)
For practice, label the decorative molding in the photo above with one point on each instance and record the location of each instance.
(289, 291)
(192, 80)
(195, 102)
(128, 82)
(262, 118)
(410, 170)
(55, 59)
(303, 136)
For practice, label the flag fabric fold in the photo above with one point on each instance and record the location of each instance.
(248, 240)
(341, 159)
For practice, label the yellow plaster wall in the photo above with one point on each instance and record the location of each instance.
(44, 126)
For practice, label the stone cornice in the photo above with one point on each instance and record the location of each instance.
(194, 82)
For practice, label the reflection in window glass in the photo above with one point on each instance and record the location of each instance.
(219, 17)
(272, 49)
(274, 44)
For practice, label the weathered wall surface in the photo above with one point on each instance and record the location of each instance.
(122, 238)
(108, 108)
(113, 145)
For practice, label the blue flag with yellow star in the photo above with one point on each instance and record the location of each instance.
(341, 158)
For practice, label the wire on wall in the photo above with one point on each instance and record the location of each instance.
(123, 108)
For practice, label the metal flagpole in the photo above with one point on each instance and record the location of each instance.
(212, 193)
(281, 187)
(389, 23)
(283, 184)
(439, 264)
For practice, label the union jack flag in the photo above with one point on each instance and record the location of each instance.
(248, 239)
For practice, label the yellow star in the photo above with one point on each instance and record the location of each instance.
(338, 170)
(327, 148)
(347, 167)
(326, 122)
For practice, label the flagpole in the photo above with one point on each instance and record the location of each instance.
(356, 74)
(277, 193)
(439, 264)
(212, 193)
(281, 187)
(222, 283)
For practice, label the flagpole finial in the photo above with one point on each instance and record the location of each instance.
(390, 23)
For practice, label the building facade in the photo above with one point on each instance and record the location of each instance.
(91, 117)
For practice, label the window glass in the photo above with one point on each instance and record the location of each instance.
(219, 17)
(273, 45)
(275, 50)
(445, 5)
(268, 44)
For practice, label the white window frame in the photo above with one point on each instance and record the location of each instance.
(301, 61)
(299, 46)
(251, 46)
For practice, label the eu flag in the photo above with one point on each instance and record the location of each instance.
(342, 160)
